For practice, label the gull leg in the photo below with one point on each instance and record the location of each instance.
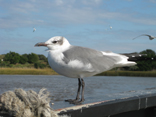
(82, 94)
(78, 93)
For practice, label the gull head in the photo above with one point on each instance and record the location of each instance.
(55, 43)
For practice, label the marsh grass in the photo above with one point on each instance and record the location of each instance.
(129, 73)
(49, 71)
(27, 71)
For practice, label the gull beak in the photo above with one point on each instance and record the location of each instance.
(41, 44)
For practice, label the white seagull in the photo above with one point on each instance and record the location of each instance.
(80, 62)
(150, 37)
(110, 27)
(34, 29)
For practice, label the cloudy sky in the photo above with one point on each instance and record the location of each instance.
(83, 22)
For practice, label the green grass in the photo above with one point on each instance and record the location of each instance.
(27, 71)
(129, 73)
(27, 65)
(49, 71)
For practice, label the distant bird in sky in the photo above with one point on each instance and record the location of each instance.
(34, 29)
(110, 27)
(150, 37)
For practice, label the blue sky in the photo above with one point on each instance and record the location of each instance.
(83, 22)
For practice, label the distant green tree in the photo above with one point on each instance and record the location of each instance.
(149, 52)
(36, 65)
(154, 64)
(23, 59)
(4, 64)
(42, 57)
(148, 62)
(39, 65)
(33, 58)
(25, 56)
(12, 57)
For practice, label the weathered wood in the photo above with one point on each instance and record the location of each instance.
(142, 104)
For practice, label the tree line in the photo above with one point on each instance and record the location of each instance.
(148, 62)
(145, 63)
(12, 58)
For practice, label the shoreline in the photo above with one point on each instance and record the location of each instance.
(49, 71)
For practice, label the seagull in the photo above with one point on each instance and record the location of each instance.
(34, 29)
(110, 27)
(80, 62)
(150, 37)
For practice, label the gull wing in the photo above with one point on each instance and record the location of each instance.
(142, 35)
(99, 61)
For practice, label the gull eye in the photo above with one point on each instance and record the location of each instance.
(54, 42)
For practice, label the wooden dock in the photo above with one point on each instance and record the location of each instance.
(136, 106)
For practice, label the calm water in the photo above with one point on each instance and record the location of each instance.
(98, 88)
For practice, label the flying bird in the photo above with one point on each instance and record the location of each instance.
(110, 27)
(150, 37)
(34, 29)
(80, 62)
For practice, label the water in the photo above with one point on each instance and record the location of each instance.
(98, 88)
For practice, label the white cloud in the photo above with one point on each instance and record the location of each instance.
(59, 2)
(59, 12)
(146, 21)
(18, 6)
(91, 2)
(23, 7)
(129, 0)
(153, 1)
